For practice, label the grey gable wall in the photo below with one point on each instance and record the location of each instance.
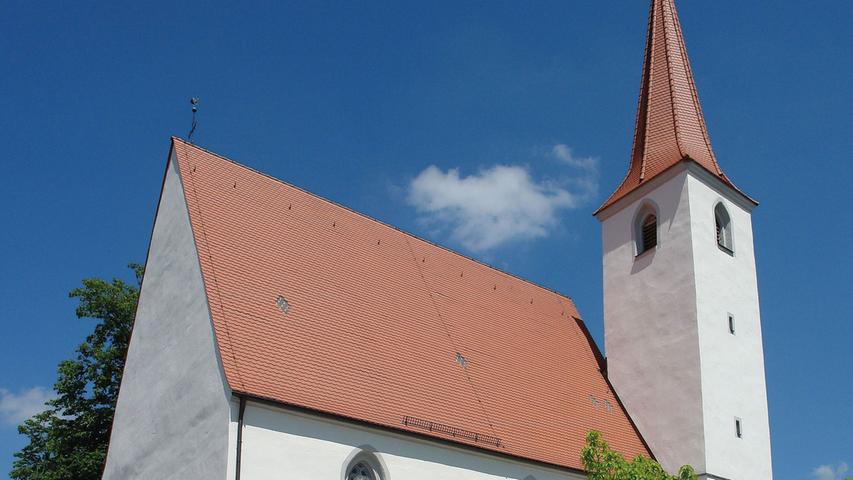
(173, 414)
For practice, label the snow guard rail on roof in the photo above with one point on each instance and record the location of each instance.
(452, 431)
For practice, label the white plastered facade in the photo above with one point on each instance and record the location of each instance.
(281, 443)
(683, 376)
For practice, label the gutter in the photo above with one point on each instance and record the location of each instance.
(240, 436)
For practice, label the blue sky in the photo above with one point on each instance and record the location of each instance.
(355, 101)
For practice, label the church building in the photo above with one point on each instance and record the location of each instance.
(281, 336)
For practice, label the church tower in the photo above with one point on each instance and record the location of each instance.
(681, 313)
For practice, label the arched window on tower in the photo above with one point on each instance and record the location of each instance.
(723, 225)
(647, 232)
(645, 228)
(650, 232)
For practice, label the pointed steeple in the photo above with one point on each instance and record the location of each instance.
(670, 125)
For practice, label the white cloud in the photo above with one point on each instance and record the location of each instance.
(828, 472)
(15, 408)
(502, 203)
(586, 184)
(565, 155)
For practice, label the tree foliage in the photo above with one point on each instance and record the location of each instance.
(68, 441)
(602, 463)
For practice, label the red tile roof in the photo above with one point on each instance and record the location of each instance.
(380, 323)
(670, 125)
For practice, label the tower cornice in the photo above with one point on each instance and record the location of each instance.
(686, 165)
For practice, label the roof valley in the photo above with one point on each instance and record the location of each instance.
(449, 333)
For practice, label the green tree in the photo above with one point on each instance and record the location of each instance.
(602, 463)
(68, 441)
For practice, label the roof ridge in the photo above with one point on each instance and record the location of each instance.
(380, 222)
(671, 83)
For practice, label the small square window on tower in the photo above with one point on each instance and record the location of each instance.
(731, 324)
(738, 428)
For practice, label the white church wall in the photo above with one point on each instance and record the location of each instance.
(732, 364)
(172, 416)
(651, 338)
(233, 426)
(280, 443)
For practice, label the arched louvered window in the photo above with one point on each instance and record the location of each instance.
(645, 228)
(648, 233)
(723, 225)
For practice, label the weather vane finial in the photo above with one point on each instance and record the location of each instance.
(194, 103)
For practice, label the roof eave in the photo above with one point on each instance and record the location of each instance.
(415, 434)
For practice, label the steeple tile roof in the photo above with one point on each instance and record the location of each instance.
(670, 125)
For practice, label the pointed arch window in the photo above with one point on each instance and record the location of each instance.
(364, 464)
(361, 471)
(723, 226)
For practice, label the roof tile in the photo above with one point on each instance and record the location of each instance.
(377, 317)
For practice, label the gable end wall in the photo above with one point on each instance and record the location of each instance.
(172, 417)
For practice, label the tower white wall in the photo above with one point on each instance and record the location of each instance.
(732, 364)
(651, 339)
(681, 374)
